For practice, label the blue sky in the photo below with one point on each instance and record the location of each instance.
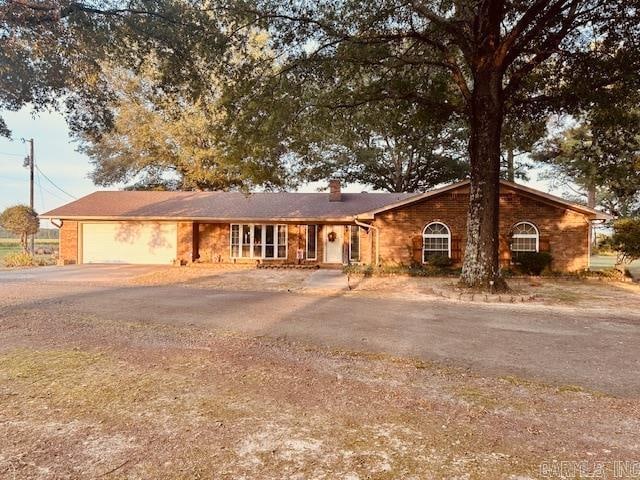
(55, 155)
(57, 158)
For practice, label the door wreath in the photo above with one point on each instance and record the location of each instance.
(331, 236)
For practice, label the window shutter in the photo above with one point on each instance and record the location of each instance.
(456, 248)
(505, 250)
(416, 242)
(544, 244)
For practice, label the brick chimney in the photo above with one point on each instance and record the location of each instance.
(335, 195)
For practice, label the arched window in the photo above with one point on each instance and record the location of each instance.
(436, 240)
(526, 238)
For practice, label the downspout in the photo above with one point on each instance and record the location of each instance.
(590, 241)
(368, 226)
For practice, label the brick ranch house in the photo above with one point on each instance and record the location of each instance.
(313, 228)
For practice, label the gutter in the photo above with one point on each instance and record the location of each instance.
(148, 218)
(368, 226)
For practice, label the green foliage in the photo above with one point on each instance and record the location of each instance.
(470, 62)
(414, 270)
(440, 261)
(164, 141)
(601, 156)
(20, 220)
(19, 259)
(533, 263)
(60, 50)
(521, 130)
(392, 146)
(626, 239)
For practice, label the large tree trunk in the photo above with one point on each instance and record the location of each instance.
(481, 267)
(591, 195)
(511, 169)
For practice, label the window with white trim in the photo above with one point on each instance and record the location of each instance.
(525, 238)
(258, 241)
(436, 240)
(312, 242)
(354, 243)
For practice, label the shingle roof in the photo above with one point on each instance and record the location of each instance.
(559, 201)
(225, 206)
(221, 205)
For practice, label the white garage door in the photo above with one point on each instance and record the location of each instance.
(129, 242)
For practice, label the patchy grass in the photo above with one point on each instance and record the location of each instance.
(226, 277)
(477, 397)
(10, 246)
(87, 397)
(583, 293)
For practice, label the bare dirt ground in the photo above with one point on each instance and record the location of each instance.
(226, 277)
(589, 293)
(86, 395)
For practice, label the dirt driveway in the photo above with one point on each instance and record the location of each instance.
(210, 379)
(594, 349)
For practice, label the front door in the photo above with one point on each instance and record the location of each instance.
(333, 243)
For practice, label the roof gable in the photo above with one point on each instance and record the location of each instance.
(539, 195)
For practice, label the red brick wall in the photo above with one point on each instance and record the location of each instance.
(68, 242)
(563, 232)
(214, 245)
(187, 233)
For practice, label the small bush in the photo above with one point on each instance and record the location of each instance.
(19, 259)
(611, 274)
(533, 263)
(414, 270)
(439, 261)
(626, 239)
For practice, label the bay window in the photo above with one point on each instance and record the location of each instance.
(258, 241)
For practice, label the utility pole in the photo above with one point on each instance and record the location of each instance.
(30, 163)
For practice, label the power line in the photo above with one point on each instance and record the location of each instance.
(54, 194)
(41, 194)
(53, 183)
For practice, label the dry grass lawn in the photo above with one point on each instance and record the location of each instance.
(86, 397)
(578, 293)
(226, 277)
(89, 398)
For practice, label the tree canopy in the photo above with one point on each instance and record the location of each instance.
(167, 140)
(626, 239)
(21, 220)
(482, 61)
(600, 156)
(391, 147)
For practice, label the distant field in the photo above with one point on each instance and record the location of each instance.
(10, 245)
(603, 262)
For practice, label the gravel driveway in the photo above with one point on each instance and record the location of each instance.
(594, 349)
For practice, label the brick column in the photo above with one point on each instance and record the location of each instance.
(68, 246)
(186, 249)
